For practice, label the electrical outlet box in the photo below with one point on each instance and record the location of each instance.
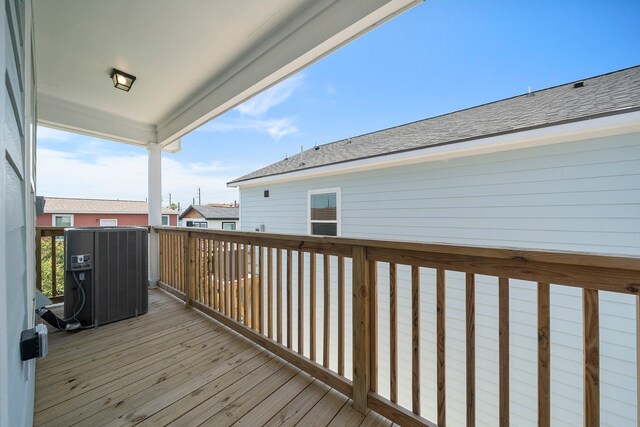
(34, 342)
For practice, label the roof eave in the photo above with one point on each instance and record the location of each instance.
(611, 123)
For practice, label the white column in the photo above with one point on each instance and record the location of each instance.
(155, 210)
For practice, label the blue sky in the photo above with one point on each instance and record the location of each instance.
(439, 57)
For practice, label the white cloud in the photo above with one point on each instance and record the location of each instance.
(268, 99)
(276, 128)
(124, 176)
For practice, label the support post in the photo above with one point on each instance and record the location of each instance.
(361, 330)
(155, 210)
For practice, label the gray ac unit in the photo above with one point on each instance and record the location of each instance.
(105, 274)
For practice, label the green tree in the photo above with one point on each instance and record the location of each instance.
(46, 270)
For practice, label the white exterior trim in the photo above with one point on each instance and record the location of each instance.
(108, 225)
(586, 129)
(53, 218)
(338, 192)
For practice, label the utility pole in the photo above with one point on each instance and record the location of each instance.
(199, 196)
(194, 201)
(169, 199)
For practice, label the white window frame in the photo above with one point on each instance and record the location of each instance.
(235, 225)
(338, 219)
(54, 216)
(168, 220)
(108, 225)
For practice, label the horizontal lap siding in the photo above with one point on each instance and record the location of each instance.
(582, 196)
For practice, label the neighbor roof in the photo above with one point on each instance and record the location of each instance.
(215, 212)
(614, 93)
(73, 206)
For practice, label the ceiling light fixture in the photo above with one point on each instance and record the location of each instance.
(122, 80)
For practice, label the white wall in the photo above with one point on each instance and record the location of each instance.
(215, 224)
(17, 216)
(580, 196)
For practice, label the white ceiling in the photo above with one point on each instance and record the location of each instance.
(193, 59)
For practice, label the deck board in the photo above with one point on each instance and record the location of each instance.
(176, 366)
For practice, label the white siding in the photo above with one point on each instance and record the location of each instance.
(582, 196)
(215, 224)
(17, 204)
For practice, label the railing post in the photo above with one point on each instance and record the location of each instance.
(361, 329)
(189, 267)
(39, 259)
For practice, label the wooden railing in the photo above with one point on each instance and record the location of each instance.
(50, 262)
(244, 280)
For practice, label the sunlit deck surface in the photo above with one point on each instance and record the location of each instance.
(176, 366)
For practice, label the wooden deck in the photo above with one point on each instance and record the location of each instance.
(175, 366)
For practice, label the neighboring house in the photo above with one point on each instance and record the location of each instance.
(65, 212)
(214, 216)
(557, 168)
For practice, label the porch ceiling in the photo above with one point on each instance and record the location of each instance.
(193, 60)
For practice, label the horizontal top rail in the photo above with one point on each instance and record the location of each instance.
(615, 273)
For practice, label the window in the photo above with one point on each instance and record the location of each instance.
(108, 222)
(228, 225)
(197, 224)
(62, 220)
(165, 219)
(324, 212)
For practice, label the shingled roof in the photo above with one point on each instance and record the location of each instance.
(613, 93)
(214, 212)
(100, 206)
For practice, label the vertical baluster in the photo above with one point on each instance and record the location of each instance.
(289, 299)
(228, 279)
(212, 272)
(261, 274)
(270, 291)
(415, 340)
(373, 323)
(216, 280)
(39, 259)
(341, 315)
(591, 325)
(242, 315)
(471, 349)
(279, 294)
(247, 286)
(171, 263)
(393, 331)
(312, 305)
(327, 312)
(160, 257)
(544, 368)
(54, 267)
(300, 302)
(198, 295)
(223, 296)
(233, 281)
(182, 272)
(441, 346)
(236, 280)
(503, 320)
(254, 290)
